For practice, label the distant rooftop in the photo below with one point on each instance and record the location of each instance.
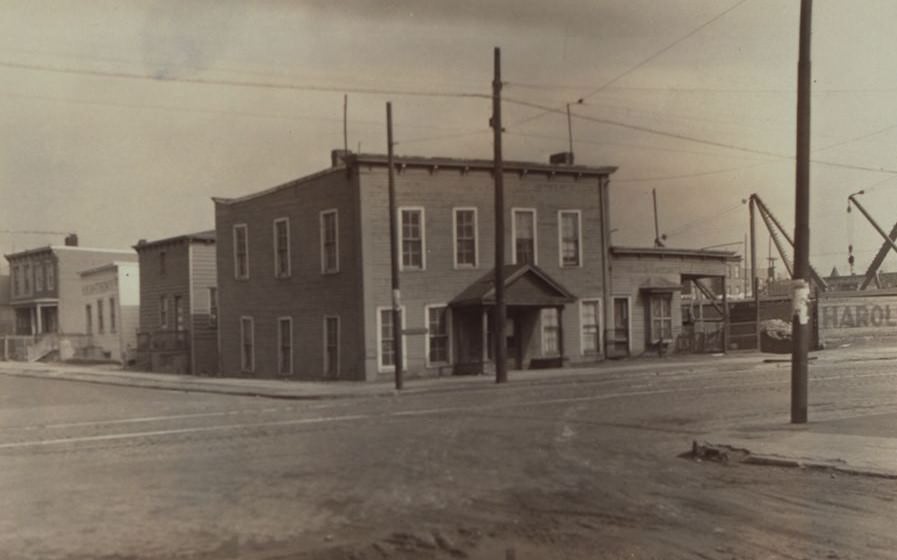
(673, 252)
(49, 248)
(207, 237)
(341, 160)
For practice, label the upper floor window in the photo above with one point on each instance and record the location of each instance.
(163, 263)
(16, 281)
(569, 238)
(38, 278)
(282, 247)
(413, 240)
(329, 242)
(100, 327)
(241, 251)
(465, 237)
(27, 279)
(524, 234)
(50, 275)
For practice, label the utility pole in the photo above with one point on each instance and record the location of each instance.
(346, 123)
(394, 254)
(500, 353)
(570, 133)
(800, 321)
(657, 241)
(755, 280)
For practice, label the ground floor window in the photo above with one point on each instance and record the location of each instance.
(387, 358)
(437, 335)
(112, 325)
(662, 317)
(285, 345)
(550, 332)
(247, 344)
(88, 315)
(590, 322)
(331, 346)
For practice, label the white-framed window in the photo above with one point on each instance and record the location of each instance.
(282, 248)
(550, 332)
(241, 251)
(100, 327)
(412, 227)
(523, 232)
(178, 313)
(16, 280)
(213, 307)
(88, 316)
(50, 275)
(331, 346)
(163, 312)
(247, 344)
(466, 247)
(590, 325)
(385, 333)
(661, 316)
(329, 241)
(569, 238)
(38, 277)
(439, 347)
(285, 345)
(112, 321)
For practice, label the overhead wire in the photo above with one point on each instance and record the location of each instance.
(645, 61)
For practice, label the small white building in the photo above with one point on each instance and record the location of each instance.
(111, 303)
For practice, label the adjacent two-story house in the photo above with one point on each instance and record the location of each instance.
(178, 330)
(304, 269)
(45, 286)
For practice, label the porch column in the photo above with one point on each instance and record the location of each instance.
(485, 335)
(38, 317)
(561, 333)
(725, 318)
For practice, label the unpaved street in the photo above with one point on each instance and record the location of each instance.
(584, 467)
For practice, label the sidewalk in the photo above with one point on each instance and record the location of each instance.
(290, 389)
(865, 445)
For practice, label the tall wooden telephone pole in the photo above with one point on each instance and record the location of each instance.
(800, 320)
(394, 254)
(498, 329)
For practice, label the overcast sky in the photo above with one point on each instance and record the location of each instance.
(112, 129)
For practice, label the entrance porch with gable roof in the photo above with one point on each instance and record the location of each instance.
(528, 291)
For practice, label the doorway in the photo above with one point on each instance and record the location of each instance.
(619, 343)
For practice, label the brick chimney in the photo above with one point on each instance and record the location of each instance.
(71, 240)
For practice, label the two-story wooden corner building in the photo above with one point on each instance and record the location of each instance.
(178, 305)
(45, 287)
(304, 268)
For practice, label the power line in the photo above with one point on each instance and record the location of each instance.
(236, 83)
(647, 60)
(695, 139)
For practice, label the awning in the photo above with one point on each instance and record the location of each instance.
(660, 285)
(525, 285)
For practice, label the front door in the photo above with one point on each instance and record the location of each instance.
(620, 341)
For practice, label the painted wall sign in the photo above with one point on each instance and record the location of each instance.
(857, 316)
